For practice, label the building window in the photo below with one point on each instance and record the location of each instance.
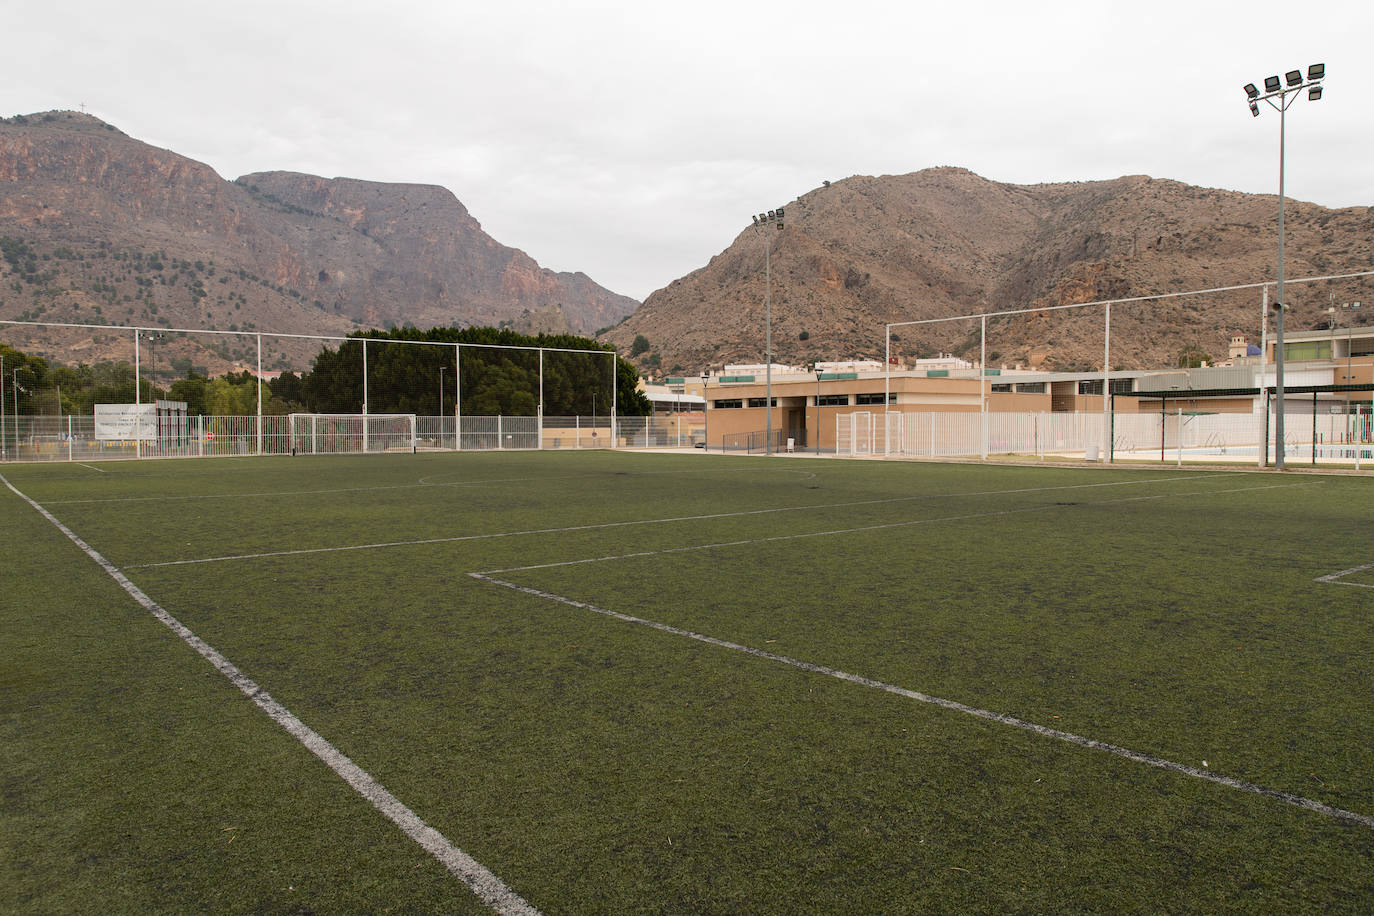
(1307, 349)
(874, 398)
(1031, 387)
(1001, 387)
(761, 402)
(729, 404)
(833, 400)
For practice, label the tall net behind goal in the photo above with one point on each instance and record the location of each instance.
(334, 434)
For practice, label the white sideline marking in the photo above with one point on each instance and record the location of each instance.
(90, 467)
(1335, 578)
(956, 706)
(486, 885)
(663, 521)
(910, 523)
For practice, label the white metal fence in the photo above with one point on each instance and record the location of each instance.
(1167, 436)
(74, 438)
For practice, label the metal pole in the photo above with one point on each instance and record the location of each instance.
(706, 412)
(615, 397)
(539, 423)
(14, 386)
(1106, 383)
(457, 397)
(364, 395)
(768, 341)
(4, 449)
(1263, 377)
(1282, 304)
(818, 414)
(138, 403)
(259, 394)
(983, 380)
(887, 386)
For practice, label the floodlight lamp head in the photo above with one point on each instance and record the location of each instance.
(772, 214)
(1294, 77)
(1254, 110)
(1251, 91)
(779, 212)
(756, 220)
(1316, 72)
(1314, 92)
(1272, 84)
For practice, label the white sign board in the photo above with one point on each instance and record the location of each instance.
(125, 422)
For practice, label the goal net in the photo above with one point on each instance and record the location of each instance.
(337, 434)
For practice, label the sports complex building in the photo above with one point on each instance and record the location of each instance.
(921, 408)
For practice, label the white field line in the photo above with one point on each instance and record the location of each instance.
(423, 482)
(658, 521)
(955, 706)
(486, 885)
(90, 468)
(1335, 578)
(910, 523)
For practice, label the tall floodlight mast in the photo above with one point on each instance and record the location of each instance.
(1280, 94)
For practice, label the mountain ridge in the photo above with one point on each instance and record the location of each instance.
(867, 251)
(289, 252)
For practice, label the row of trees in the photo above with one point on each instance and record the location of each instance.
(408, 371)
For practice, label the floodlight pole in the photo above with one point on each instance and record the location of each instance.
(1281, 90)
(761, 223)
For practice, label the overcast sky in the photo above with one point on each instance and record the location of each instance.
(632, 140)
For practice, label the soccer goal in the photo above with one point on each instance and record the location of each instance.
(338, 434)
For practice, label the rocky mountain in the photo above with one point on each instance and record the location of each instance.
(863, 252)
(100, 228)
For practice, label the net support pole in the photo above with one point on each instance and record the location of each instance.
(1180, 435)
(887, 386)
(983, 380)
(364, 395)
(1264, 345)
(1106, 381)
(259, 394)
(614, 395)
(539, 422)
(1314, 429)
(138, 404)
(457, 397)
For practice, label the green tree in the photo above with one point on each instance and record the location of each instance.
(1193, 357)
(640, 345)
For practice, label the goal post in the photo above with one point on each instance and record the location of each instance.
(343, 434)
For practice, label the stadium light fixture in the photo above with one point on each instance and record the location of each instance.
(1280, 97)
(1251, 91)
(760, 223)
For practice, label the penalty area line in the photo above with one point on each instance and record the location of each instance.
(481, 881)
(1336, 577)
(954, 706)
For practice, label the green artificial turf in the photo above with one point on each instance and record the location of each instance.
(597, 765)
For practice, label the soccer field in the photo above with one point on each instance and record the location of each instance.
(600, 682)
